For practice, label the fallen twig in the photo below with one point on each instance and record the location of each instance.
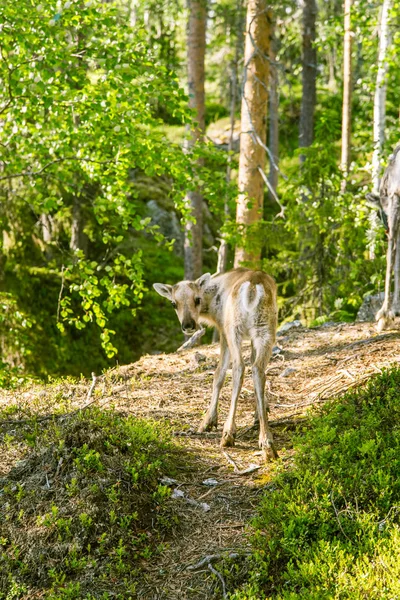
(193, 340)
(94, 380)
(237, 471)
(231, 461)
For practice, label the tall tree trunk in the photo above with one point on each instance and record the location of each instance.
(222, 263)
(379, 114)
(253, 126)
(273, 136)
(196, 45)
(347, 89)
(309, 76)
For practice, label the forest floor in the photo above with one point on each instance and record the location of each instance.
(311, 366)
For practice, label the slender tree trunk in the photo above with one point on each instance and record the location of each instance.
(347, 89)
(379, 115)
(273, 141)
(196, 45)
(309, 76)
(253, 127)
(222, 263)
(380, 94)
(78, 239)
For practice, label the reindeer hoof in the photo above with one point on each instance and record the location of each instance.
(385, 319)
(269, 453)
(266, 443)
(228, 439)
(207, 425)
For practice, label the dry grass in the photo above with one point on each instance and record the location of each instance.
(177, 387)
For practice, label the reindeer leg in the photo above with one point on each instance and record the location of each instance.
(229, 431)
(210, 419)
(385, 315)
(263, 353)
(396, 294)
(256, 417)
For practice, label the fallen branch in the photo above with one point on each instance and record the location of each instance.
(210, 558)
(222, 580)
(193, 340)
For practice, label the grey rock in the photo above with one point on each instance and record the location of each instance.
(168, 223)
(370, 307)
(288, 326)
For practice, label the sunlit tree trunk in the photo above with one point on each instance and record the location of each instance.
(379, 114)
(222, 263)
(309, 75)
(347, 89)
(196, 45)
(273, 133)
(253, 127)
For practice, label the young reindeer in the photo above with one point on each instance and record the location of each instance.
(240, 304)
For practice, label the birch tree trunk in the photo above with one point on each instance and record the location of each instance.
(380, 94)
(379, 115)
(347, 90)
(309, 76)
(196, 45)
(253, 127)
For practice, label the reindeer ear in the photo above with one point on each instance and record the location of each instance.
(163, 289)
(203, 280)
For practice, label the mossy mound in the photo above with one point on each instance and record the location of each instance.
(83, 511)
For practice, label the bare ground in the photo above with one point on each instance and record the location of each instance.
(312, 366)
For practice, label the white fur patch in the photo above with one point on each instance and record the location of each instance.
(244, 295)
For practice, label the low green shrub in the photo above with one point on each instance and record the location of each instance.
(328, 526)
(83, 511)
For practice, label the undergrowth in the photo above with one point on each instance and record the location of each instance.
(328, 526)
(83, 511)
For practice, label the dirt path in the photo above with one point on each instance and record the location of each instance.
(313, 365)
(310, 367)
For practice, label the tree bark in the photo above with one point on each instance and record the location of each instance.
(347, 90)
(379, 116)
(380, 94)
(309, 76)
(273, 141)
(222, 262)
(196, 44)
(253, 127)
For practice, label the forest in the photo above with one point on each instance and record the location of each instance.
(116, 174)
(146, 141)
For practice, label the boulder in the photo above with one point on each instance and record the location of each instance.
(370, 306)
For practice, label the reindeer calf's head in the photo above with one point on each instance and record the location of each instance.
(186, 297)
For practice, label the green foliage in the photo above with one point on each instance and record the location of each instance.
(77, 118)
(319, 252)
(328, 526)
(83, 506)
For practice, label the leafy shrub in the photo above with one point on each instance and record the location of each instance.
(328, 527)
(84, 510)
